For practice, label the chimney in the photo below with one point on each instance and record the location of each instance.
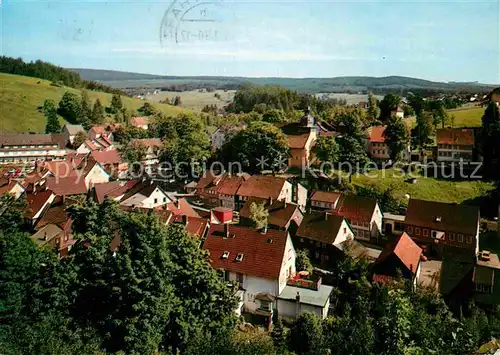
(264, 230)
(326, 216)
(226, 230)
(270, 201)
(297, 304)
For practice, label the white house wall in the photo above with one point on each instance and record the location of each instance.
(96, 175)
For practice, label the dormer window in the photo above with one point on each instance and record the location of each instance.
(225, 255)
(239, 257)
(438, 219)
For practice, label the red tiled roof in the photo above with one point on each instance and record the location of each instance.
(456, 136)
(262, 186)
(377, 134)
(262, 253)
(121, 190)
(194, 226)
(324, 196)
(405, 249)
(139, 121)
(320, 226)
(101, 190)
(460, 218)
(36, 201)
(147, 142)
(298, 141)
(20, 139)
(72, 185)
(230, 185)
(91, 145)
(107, 157)
(55, 215)
(280, 213)
(7, 187)
(356, 207)
(182, 208)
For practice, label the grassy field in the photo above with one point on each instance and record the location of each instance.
(426, 188)
(196, 100)
(466, 116)
(21, 97)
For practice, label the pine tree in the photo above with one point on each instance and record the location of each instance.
(50, 112)
(97, 112)
(116, 103)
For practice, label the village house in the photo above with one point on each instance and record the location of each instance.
(220, 190)
(271, 188)
(322, 234)
(29, 148)
(398, 112)
(71, 130)
(260, 263)
(377, 148)
(37, 203)
(363, 214)
(304, 294)
(152, 147)
(223, 134)
(394, 224)
(439, 226)
(400, 257)
(104, 130)
(455, 144)
(282, 215)
(325, 200)
(102, 143)
(139, 122)
(112, 162)
(140, 194)
(11, 187)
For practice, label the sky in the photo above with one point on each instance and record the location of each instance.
(434, 40)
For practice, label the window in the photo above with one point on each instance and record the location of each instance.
(265, 305)
(164, 199)
(417, 231)
(461, 238)
(410, 229)
(452, 237)
(345, 230)
(425, 232)
(156, 200)
(302, 240)
(317, 255)
(239, 278)
(318, 244)
(327, 257)
(469, 239)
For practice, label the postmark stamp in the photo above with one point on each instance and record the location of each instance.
(189, 21)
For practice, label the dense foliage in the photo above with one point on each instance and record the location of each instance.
(261, 146)
(155, 293)
(396, 137)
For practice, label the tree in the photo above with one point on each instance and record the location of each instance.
(186, 140)
(389, 103)
(417, 103)
(306, 335)
(70, 108)
(438, 112)
(86, 109)
(302, 261)
(326, 149)
(351, 151)
(274, 116)
(422, 131)
(490, 138)
(259, 215)
(373, 111)
(97, 116)
(396, 138)
(80, 138)
(50, 112)
(152, 292)
(259, 147)
(177, 101)
(116, 103)
(147, 109)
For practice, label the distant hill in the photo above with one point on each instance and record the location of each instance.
(21, 98)
(351, 84)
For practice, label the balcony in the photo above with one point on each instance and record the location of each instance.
(303, 280)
